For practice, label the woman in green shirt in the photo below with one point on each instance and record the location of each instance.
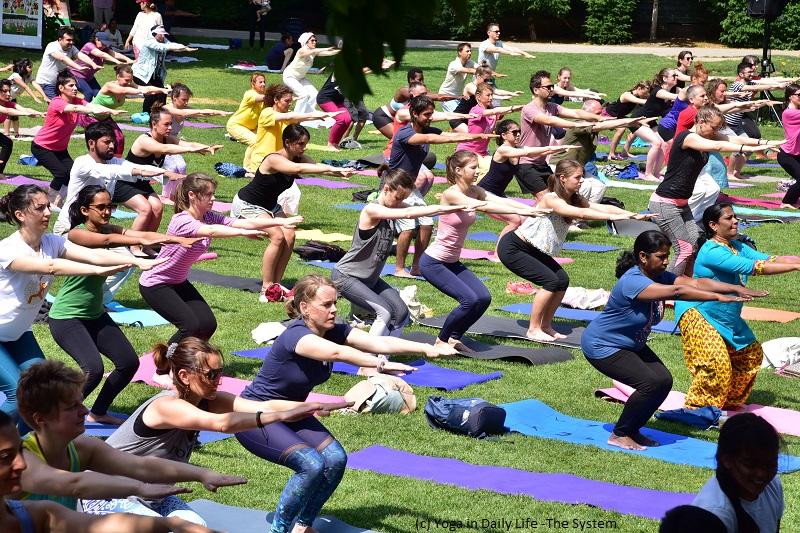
(78, 320)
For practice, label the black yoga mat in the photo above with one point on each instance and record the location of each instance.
(221, 280)
(492, 352)
(511, 328)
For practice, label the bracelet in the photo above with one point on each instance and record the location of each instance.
(259, 423)
(382, 360)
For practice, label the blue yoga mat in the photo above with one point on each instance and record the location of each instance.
(550, 487)
(97, 429)
(488, 236)
(584, 315)
(121, 213)
(777, 213)
(430, 375)
(134, 317)
(762, 164)
(350, 206)
(537, 419)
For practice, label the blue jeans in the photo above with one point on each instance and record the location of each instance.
(15, 357)
(459, 283)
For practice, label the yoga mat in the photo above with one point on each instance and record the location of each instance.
(488, 236)
(221, 280)
(222, 207)
(493, 352)
(122, 214)
(761, 178)
(550, 487)
(627, 185)
(764, 314)
(97, 429)
(489, 255)
(367, 172)
(208, 256)
(778, 195)
(141, 318)
(762, 164)
(350, 206)
(388, 270)
(431, 375)
(511, 328)
(131, 127)
(630, 227)
(327, 184)
(537, 419)
(785, 421)
(584, 315)
(770, 213)
(319, 235)
(242, 520)
(25, 180)
(201, 125)
(739, 200)
(739, 185)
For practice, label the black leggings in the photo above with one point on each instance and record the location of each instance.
(532, 264)
(6, 146)
(84, 341)
(257, 25)
(643, 371)
(58, 163)
(791, 164)
(150, 99)
(182, 305)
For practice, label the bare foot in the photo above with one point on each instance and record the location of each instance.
(458, 345)
(298, 528)
(626, 443)
(626, 155)
(333, 148)
(402, 273)
(539, 335)
(415, 271)
(615, 157)
(651, 177)
(788, 206)
(367, 371)
(104, 419)
(553, 333)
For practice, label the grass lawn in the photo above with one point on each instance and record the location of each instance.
(393, 504)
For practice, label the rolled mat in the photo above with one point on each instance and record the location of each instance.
(25, 180)
(222, 207)
(762, 164)
(127, 316)
(122, 214)
(785, 421)
(636, 186)
(584, 315)
(740, 185)
(510, 328)
(550, 487)
(537, 419)
(131, 127)
(242, 520)
(327, 184)
(221, 280)
(430, 375)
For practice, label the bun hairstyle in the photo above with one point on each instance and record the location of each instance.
(43, 387)
(305, 290)
(122, 68)
(156, 111)
(648, 242)
(84, 199)
(190, 353)
(459, 159)
(19, 199)
(196, 182)
(748, 435)
(179, 88)
(502, 127)
(712, 214)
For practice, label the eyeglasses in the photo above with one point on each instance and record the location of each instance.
(104, 207)
(795, 94)
(548, 87)
(514, 132)
(690, 58)
(212, 374)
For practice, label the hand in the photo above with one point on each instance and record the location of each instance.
(440, 349)
(752, 293)
(188, 49)
(726, 298)
(291, 222)
(643, 216)
(255, 234)
(147, 264)
(156, 491)
(109, 270)
(538, 211)
(115, 112)
(326, 408)
(304, 410)
(486, 136)
(185, 242)
(397, 369)
(212, 481)
(173, 176)
(146, 173)
(35, 99)
(344, 173)
(474, 206)
(212, 149)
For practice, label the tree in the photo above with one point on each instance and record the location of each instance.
(654, 21)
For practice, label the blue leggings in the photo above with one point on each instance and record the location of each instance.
(459, 283)
(15, 357)
(316, 457)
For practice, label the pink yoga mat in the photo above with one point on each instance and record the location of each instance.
(785, 421)
(202, 125)
(469, 253)
(739, 185)
(231, 385)
(222, 207)
(131, 127)
(368, 172)
(25, 180)
(769, 204)
(778, 195)
(327, 184)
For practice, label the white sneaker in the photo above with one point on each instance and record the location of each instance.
(350, 144)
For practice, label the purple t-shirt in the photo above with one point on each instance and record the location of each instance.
(181, 259)
(87, 74)
(285, 375)
(481, 124)
(533, 134)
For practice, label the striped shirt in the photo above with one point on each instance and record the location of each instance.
(734, 120)
(181, 259)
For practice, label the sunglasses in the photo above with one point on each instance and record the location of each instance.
(548, 87)
(104, 207)
(212, 374)
(514, 132)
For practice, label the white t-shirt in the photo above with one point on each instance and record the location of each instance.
(766, 510)
(142, 26)
(492, 58)
(86, 171)
(454, 80)
(22, 294)
(15, 89)
(50, 67)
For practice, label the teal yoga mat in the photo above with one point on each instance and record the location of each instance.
(537, 419)
(775, 213)
(142, 318)
(584, 315)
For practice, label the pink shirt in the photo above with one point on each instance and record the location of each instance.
(791, 124)
(481, 124)
(181, 259)
(58, 125)
(87, 74)
(450, 236)
(533, 134)
(8, 104)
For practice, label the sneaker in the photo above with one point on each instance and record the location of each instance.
(520, 287)
(350, 144)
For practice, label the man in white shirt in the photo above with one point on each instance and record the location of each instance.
(58, 56)
(456, 77)
(492, 48)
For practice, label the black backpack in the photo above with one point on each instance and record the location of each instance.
(320, 251)
(467, 416)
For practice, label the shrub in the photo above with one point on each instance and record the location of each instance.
(741, 30)
(609, 21)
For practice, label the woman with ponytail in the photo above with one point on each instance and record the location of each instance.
(615, 343)
(746, 492)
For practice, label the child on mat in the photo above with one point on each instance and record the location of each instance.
(358, 273)
(440, 264)
(615, 342)
(746, 492)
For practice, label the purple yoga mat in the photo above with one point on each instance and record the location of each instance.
(327, 184)
(202, 125)
(25, 180)
(131, 127)
(430, 375)
(560, 488)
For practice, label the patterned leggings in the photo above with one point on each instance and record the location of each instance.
(723, 377)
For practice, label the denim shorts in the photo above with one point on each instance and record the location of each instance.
(242, 209)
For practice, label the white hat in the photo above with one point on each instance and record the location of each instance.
(303, 39)
(159, 30)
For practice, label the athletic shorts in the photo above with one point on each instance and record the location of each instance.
(532, 177)
(380, 118)
(407, 224)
